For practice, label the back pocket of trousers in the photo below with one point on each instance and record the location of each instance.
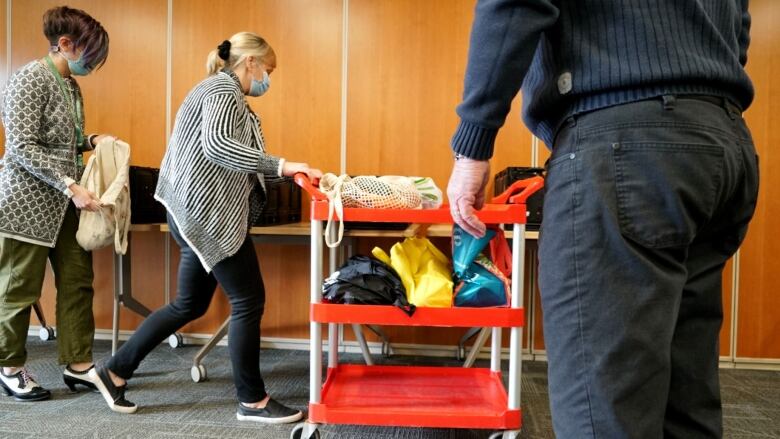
(665, 191)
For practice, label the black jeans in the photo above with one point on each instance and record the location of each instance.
(240, 278)
(644, 204)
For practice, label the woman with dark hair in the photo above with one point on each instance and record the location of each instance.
(44, 129)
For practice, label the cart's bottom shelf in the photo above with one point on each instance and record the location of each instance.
(406, 396)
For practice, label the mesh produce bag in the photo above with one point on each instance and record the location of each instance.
(387, 192)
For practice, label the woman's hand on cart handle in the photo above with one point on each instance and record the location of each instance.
(466, 192)
(289, 169)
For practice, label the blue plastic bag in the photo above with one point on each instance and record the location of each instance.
(479, 283)
(466, 248)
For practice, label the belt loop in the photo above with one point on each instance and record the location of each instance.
(732, 109)
(669, 102)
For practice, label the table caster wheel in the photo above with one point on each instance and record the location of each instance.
(46, 333)
(298, 432)
(198, 373)
(175, 340)
(387, 350)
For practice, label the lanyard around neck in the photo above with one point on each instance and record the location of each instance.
(73, 101)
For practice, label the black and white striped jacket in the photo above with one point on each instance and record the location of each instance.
(215, 156)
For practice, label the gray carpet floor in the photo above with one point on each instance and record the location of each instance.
(172, 406)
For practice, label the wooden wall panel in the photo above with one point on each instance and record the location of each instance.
(301, 117)
(125, 98)
(758, 328)
(406, 65)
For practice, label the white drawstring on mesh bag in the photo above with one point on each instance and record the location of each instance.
(365, 191)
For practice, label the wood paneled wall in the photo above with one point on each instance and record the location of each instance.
(405, 63)
(758, 319)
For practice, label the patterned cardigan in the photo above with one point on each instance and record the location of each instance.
(40, 155)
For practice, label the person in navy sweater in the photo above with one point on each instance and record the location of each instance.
(651, 184)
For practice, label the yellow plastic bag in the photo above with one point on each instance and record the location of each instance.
(424, 271)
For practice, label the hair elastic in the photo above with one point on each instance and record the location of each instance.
(224, 50)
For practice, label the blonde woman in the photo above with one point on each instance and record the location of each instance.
(215, 157)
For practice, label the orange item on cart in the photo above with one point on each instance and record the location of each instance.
(424, 271)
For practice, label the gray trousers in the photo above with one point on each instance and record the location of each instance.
(644, 204)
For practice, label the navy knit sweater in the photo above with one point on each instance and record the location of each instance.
(573, 56)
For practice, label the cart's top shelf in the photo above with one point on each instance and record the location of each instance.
(507, 208)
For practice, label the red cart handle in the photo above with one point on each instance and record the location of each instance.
(529, 186)
(303, 181)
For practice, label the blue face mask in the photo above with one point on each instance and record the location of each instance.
(77, 67)
(258, 88)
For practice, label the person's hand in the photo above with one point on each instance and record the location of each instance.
(466, 192)
(289, 169)
(84, 199)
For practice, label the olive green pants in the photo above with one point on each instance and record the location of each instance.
(22, 269)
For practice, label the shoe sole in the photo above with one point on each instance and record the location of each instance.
(17, 398)
(286, 420)
(36, 399)
(107, 395)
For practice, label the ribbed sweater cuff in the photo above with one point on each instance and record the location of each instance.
(474, 141)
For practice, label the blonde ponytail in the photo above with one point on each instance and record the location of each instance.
(241, 45)
(213, 63)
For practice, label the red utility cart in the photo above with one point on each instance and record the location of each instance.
(412, 396)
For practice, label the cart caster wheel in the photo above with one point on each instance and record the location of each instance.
(175, 340)
(297, 433)
(505, 435)
(46, 333)
(198, 373)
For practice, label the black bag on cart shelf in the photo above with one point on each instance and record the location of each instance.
(366, 281)
(144, 209)
(505, 178)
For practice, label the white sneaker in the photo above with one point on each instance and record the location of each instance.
(23, 387)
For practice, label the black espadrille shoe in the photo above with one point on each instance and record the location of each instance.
(114, 395)
(272, 413)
